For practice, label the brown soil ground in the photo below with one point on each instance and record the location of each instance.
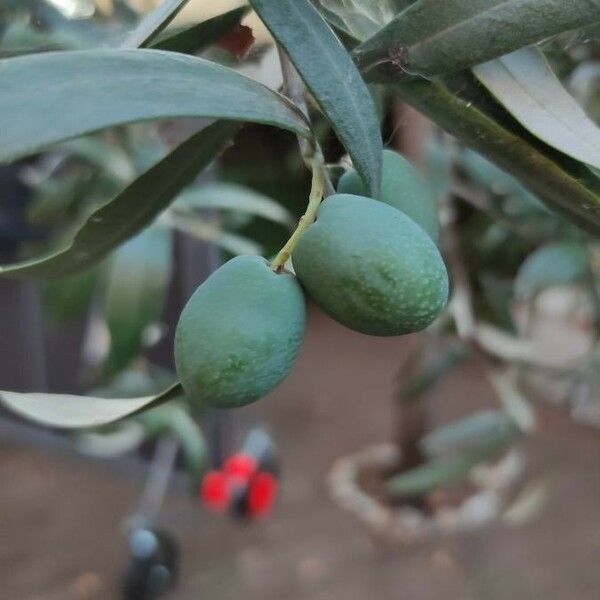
(61, 516)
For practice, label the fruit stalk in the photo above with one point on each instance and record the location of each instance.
(293, 87)
(316, 195)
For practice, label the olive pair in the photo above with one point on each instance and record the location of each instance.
(372, 266)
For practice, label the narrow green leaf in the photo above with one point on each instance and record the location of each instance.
(514, 401)
(331, 76)
(562, 183)
(497, 182)
(175, 419)
(229, 196)
(77, 412)
(433, 37)
(359, 18)
(74, 97)
(526, 86)
(443, 471)
(437, 473)
(153, 23)
(197, 37)
(136, 290)
(473, 430)
(561, 263)
(133, 209)
(209, 232)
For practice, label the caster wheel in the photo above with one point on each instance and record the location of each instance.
(153, 568)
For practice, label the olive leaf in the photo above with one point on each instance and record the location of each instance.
(527, 87)
(358, 18)
(77, 412)
(174, 419)
(562, 183)
(433, 37)
(480, 427)
(331, 76)
(153, 23)
(136, 288)
(132, 210)
(75, 98)
(446, 471)
(230, 196)
(203, 230)
(555, 264)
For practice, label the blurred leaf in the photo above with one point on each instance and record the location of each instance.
(70, 297)
(432, 368)
(496, 181)
(331, 76)
(136, 290)
(175, 419)
(359, 18)
(433, 37)
(153, 23)
(478, 428)
(172, 418)
(209, 232)
(99, 153)
(526, 86)
(564, 184)
(235, 244)
(74, 97)
(551, 265)
(229, 196)
(584, 82)
(438, 168)
(133, 209)
(514, 402)
(498, 294)
(528, 503)
(132, 383)
(444, 471)
(197, 37)
(78, 412)
(22, 38)
(122, 438)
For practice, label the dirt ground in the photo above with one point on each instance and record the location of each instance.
(61, 516)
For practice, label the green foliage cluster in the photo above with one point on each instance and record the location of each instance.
(519, 177)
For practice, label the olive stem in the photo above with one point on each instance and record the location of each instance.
(308, 218)
(312, 154)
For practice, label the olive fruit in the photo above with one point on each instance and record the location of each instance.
(401, 187)
(239, 334)
(370, 267)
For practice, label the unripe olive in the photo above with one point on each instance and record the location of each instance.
(239, 334)
(371, 267)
